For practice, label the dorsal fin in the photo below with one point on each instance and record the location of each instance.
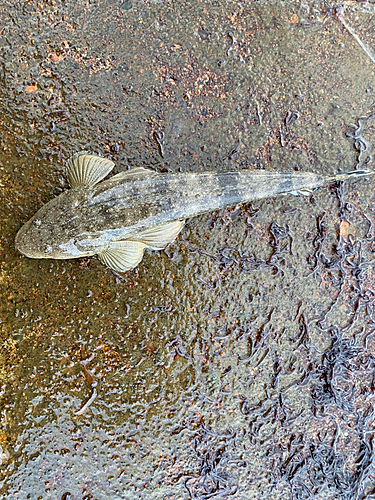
(134, 174)
(83, 169)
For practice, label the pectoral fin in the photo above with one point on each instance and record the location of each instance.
(158, 237)
(127, 254)
(83, 169)
(122, 255)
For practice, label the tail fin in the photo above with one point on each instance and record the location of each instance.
(353, 174)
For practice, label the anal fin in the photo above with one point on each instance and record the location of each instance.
(302, 192)
(158, 237)
(127, 254)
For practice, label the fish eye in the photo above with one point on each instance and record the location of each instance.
(76, 203)
(48, 249)
(37, 223)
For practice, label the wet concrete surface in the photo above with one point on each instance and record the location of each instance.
(238, 363)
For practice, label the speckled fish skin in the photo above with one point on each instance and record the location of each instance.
(84, 221)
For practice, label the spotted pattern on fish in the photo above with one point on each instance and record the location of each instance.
(118, 218)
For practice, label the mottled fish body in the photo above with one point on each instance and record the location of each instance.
(137, 209)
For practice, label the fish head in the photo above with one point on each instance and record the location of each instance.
(51, 233)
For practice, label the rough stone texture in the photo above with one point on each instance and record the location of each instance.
(239, 363)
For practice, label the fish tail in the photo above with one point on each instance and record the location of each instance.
(353, 174)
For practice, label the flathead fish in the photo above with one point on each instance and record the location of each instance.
(117, 219)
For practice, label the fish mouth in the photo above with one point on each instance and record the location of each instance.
(21, 242)
(25, 245)
(28, 243)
